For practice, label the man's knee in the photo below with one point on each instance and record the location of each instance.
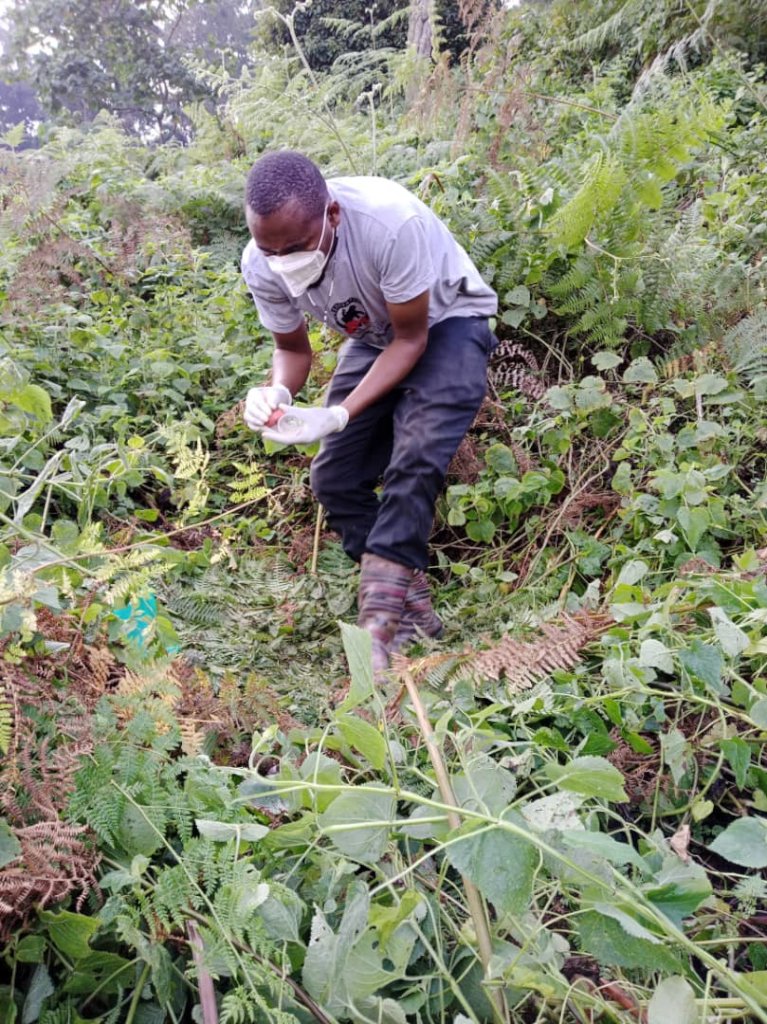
(324, 483)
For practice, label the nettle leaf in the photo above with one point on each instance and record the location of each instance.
(607, 941)
(628, 923)
(519, 296)
(640, 371)
(222, 832)
(744, 842)
(674, 747)
(655, 654)
(738, 754)
(606, 360)
(39, 989)
(365, 738)
(34, 400)
(358, 647)
(70, 933)
(673, 1000)
(557, 811)
(731, 637)
(329, 951)
(484, 786)
(358, 823)
(598, 843)
(758, 713)
(591, 776)
(678, 889)
(705, 663)
(632, 572)
(500, 864)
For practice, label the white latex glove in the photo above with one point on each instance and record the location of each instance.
(260, 403)
(302, 425)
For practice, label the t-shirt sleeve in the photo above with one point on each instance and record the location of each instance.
(406, 268)
(276, 310)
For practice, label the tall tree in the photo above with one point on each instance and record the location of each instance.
(126, 56)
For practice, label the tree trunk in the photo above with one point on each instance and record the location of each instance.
(419, 27)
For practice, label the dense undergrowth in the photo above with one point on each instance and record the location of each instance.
(555, 813)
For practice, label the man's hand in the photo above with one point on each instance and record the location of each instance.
(300, 425)
(261, 403)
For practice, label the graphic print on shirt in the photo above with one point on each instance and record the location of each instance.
(351, 317)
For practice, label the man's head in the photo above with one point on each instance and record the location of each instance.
(286, 201)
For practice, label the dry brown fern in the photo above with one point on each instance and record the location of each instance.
(54, 862)
(505, 371)
(524, 662)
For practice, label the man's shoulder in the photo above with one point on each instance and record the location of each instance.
(380, 198)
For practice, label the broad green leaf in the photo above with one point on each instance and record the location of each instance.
(358, 646)
(628, 923)
(674, 747)
(591, 776)
(673, 1000)
(632, 572)
(605, 846)
(365, 738)
(606, 360)
(738, 754)
(612, 946)
(33, 400)
(40, 987)
(417, 828)
(678, 889)
(500, 864)
(694, 523)
(358, 823)
(514, 317)
(557, 811)
(640, 371)
(655, 654)
(70, 933)
(744, 842)
(328, 951)
(386, 920)
(31, 949)
(559, 398)
(731, 637)
(758, 713)
(137, 833)
(755, 984)
(519, 296)
(382, 1011)
(222, 832)
(10, 847)
(705, 663)
(484, 785)
(282, 918)
(100, 970)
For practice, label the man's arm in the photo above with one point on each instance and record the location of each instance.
(292, 359)
(410, 321)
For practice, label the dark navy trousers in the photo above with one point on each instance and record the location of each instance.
(405, 441)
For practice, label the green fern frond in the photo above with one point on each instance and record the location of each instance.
(603, 182)
(745, 346)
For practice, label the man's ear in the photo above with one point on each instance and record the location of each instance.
(334, 213)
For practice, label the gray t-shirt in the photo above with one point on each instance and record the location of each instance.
(390, 247)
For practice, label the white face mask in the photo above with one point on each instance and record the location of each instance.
(300, 269)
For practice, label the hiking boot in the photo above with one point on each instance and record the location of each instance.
(418, 617)
(383, 591)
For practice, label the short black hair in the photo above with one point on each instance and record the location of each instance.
(277, 178)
